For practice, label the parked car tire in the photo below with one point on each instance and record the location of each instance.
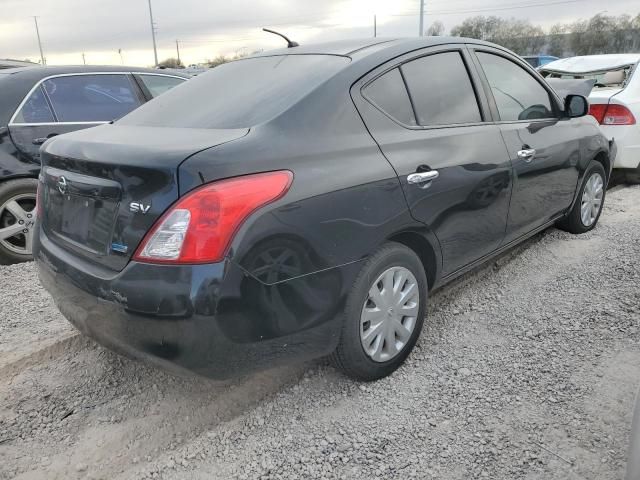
(17, 209)
(587, 209)
(383, 315)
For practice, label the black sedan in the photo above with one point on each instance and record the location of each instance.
(37, 103)
(304, 202)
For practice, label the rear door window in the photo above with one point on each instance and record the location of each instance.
(441, 90)
(35, 109)
(518, 95)
(158, 84)
(389, 94)
(91, 98)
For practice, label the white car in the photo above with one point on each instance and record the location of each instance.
(615, 100)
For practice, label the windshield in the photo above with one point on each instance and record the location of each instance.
(239, 94)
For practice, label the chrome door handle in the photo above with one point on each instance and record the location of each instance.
(526, 154)
(422, 177)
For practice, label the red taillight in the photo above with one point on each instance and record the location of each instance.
(612, 114)
(200, 226)
(597, 110)
(618, 115)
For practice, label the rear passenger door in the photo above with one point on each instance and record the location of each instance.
(431, 121)
(543, 145)
(65, 103)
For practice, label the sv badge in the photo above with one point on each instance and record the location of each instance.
(136, 207)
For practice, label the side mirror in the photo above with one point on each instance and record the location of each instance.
(576, 106)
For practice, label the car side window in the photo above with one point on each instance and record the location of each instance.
(91, 98)
(35, 109)
(441, 90)
(389, 94)
(518, 95)
(158, 84)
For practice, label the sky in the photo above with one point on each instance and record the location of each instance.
(208, 28)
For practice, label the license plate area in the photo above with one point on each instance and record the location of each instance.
(83, 221)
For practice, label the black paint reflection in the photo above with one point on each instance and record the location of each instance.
(277, 291)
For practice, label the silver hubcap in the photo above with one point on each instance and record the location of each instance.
(389, 314)
(592, 199)
(17, 217)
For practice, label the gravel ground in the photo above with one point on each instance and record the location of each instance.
(526, 369)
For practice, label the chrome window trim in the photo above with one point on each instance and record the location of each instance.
(59, 75)
(140, 74)
(40, 124)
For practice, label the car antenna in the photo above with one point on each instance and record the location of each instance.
(290, 43)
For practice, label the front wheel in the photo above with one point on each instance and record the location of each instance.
(586, 211)
(384, 314)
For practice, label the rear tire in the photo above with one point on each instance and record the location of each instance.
(384, 314)
(586, 211)
(17, 204)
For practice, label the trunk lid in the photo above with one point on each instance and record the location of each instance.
(603, 95)
(106, 186)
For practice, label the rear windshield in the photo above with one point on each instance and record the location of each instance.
(239, 94)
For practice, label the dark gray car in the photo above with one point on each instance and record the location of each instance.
(37, 103)
(304, 202)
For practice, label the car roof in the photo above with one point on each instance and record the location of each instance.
(363, 46)
(592, 63)
(39, 72)
(340, 47)
(10, 63)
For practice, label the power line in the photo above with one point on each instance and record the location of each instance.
(319, 24)
(313, 21)
(493, 9)
(261, 37)
(228, 40)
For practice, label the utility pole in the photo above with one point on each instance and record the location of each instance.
(84, 62)
(35, 19)
(178, 51)
(375, 26)
(421, 33)
(153, 35)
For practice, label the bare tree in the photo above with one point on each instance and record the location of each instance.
(599, 34)
(557, 40)
(219, 60)
(518, 35)
(436, 29)
(171, 63)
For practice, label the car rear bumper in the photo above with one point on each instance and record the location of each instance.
(627, 139)
(214, 320)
